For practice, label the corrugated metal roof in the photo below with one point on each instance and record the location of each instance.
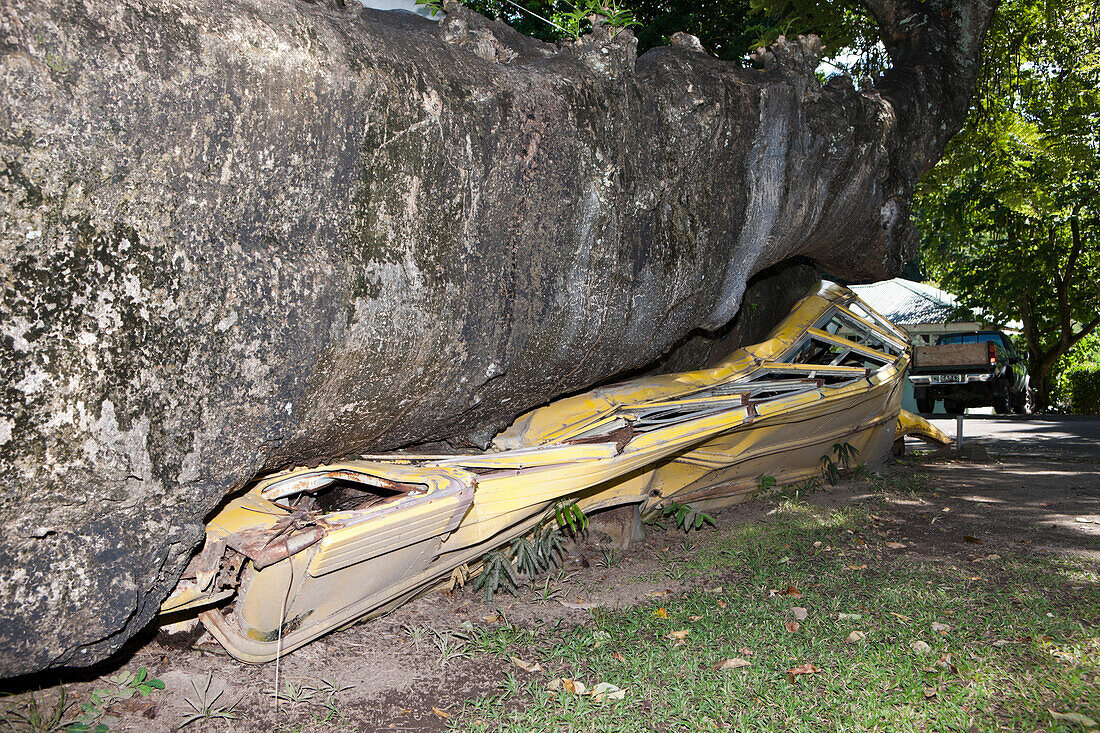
(907, 303)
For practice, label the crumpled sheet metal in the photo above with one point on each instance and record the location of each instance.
(830, 373)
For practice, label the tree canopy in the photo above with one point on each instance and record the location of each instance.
(1010, 217)
(729, 29)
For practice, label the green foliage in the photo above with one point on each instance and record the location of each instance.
(539, 552)
(766, 483)
(497, 574)
(436, 6)
(685, 516)
(121, 686)
(845, 454)
(575, 19)
(29, 713)
(1084, 391)
(206, 707)
(729, 29)
(1010, 218)
(569, 515)
(832, 470)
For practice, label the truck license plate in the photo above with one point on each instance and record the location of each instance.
(947, 378)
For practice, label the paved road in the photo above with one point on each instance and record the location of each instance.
(1052, 436)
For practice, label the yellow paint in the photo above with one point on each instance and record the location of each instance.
(688, 436)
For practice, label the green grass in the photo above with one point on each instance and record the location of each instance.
(1046, 609)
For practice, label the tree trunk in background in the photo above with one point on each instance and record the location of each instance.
(238, 236)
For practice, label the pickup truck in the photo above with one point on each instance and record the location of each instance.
(972, 369)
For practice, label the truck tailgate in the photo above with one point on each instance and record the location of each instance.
(951, 355)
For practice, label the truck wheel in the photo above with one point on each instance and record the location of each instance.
(1002, 403)
(925, 404)
(1025, 405)
(951, 407)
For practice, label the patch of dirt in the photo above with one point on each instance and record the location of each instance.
(940, 510)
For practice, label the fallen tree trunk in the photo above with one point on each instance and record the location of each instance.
(240, 236)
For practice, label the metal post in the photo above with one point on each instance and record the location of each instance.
(958, 433)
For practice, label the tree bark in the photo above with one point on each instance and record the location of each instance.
(239, 236)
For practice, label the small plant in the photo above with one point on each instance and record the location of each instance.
(845, 454)
(608, 559)
(206, 708)
(459, 577)
(685, 516)
(416, 634)
(765, 484)
(293, 694)
(547, 592)
(497, 574)
(121, 686)
(539, 552)
(32, 714)
(436, 6)
(451, 645)
(571, 516)
(576, 19)
(832, 470)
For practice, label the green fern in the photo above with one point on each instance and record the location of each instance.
(685, 516)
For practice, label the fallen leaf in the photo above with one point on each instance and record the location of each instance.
(799, 613)
(806, 668)
(661, 613)
(695, 618)
(930, 692)
(946, 509)
(856, 636)
(618, 657)
(526, 666)
(855, 567)
(993, 557)
(1087, 520)
(896, 545)
(734, 663)
(849, 616)
(491, 619)
(901, 616)
(792, 591)
(792, 626)
(817, 544)
(441, 713)
(972, 540)
(607, 691)
(940, 628)
(405, 711)
(721, 604)
(1084, 720)
(681, 634)
(746, 651)
(715, 589)
(575, 687)
(1001, 642)
(920, 647)
(656, 594)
